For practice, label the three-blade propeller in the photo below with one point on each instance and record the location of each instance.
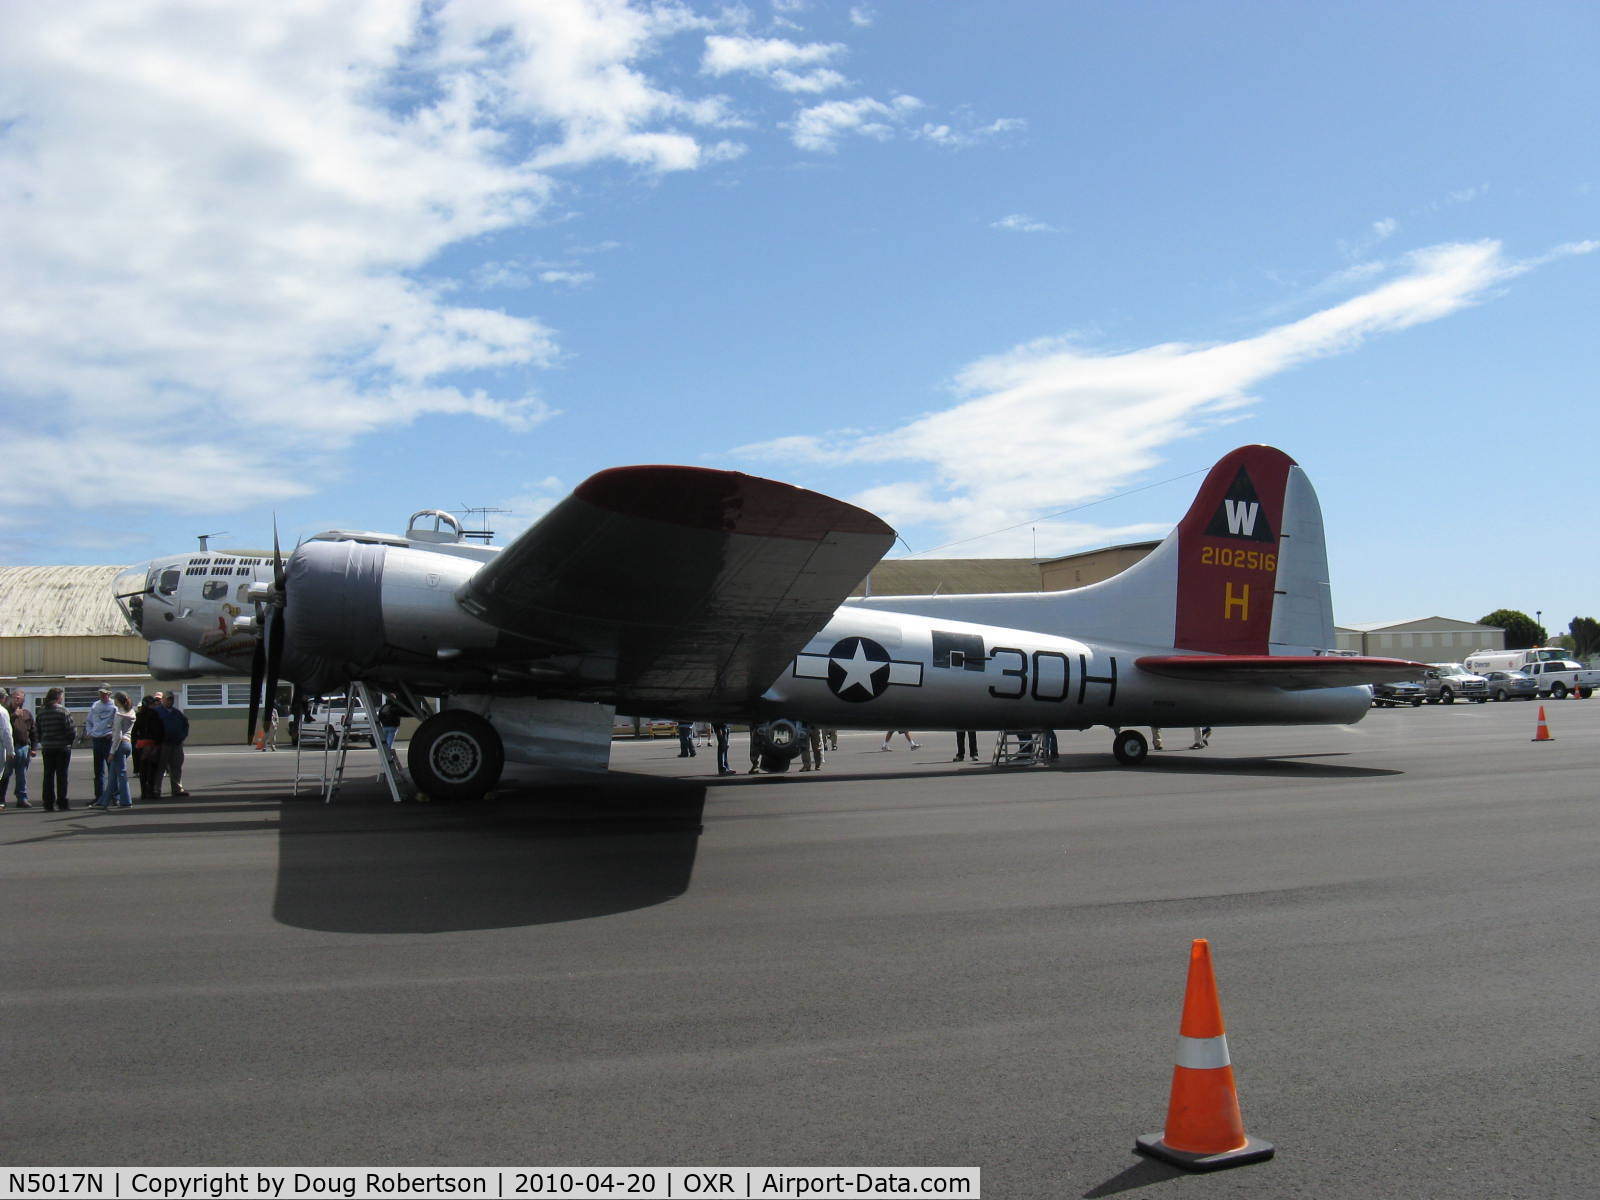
(267, 661)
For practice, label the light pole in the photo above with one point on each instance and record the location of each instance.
(1538, 619)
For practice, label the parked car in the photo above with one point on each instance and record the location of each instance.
(1445, 681)
(1398, 694)
(324, 725)
(1504, 685)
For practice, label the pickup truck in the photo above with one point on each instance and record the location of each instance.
(1557, 679)
(1446, 681)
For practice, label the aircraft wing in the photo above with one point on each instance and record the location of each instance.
(678, 589)
(1293, 672)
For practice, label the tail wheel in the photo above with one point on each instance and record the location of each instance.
(1130, 747)
(455, 755)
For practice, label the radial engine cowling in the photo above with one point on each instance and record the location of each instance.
(351, 606)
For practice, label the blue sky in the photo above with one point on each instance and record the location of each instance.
(966, 264)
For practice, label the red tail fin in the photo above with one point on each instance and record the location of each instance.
(1228, 549)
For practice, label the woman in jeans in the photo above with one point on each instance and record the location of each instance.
(116, 790)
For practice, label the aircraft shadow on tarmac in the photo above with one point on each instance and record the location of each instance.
(564, 852)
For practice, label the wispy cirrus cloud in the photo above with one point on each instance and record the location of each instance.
(1112, 414)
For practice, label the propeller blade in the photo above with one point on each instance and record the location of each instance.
(258, 668)
(277, 556)
(275, 635)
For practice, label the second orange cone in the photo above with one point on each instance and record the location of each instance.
(1204, 1131)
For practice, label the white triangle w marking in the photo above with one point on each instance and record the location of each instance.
(1241, 516)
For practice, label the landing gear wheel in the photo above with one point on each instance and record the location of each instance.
(455, 755)
(775, 764)
(1130, 747)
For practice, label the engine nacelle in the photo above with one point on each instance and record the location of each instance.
(351, 605)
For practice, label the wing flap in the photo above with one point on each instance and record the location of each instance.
(1292, 672)
(683, 589)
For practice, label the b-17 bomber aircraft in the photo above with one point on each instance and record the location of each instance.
(710, 594)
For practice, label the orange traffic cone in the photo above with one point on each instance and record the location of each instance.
(1544, 728)
(1204, 1131)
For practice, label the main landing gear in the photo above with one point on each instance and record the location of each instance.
(455, 755)
(1130, 747)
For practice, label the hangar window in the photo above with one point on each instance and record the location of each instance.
(81, 697)
(203, 695)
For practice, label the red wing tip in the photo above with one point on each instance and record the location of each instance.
(725, 502)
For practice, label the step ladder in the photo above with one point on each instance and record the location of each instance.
(332, 776)
(1019, 748)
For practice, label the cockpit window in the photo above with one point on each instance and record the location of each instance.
(169, 581)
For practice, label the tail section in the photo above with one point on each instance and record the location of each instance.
(1244, 572)
(1252, 563)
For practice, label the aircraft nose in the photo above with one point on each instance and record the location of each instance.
(129, 589)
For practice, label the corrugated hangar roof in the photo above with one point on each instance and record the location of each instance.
(59, 602)
(951, 576)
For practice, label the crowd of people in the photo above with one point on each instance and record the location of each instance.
(146, 741)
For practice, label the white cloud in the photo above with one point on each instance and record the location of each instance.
(821, 126)
(567, 278)
(1048, 426)
(1022, 223)
(861, 16)
(217, 216)
(775, 60)
(966, 133)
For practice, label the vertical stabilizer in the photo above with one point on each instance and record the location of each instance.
(1228, 553)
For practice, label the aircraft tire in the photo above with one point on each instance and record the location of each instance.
(455, 755)
(1130, 747)
(775, 764)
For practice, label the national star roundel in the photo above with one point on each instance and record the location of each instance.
(858, 669)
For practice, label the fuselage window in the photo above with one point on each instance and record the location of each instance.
(214, 589)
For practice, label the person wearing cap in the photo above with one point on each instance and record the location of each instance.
(97, 727)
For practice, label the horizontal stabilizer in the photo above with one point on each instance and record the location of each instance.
(1293, 672)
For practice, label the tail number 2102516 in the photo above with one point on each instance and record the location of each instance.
(1227, 556)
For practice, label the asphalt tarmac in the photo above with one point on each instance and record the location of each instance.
(897, 961)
